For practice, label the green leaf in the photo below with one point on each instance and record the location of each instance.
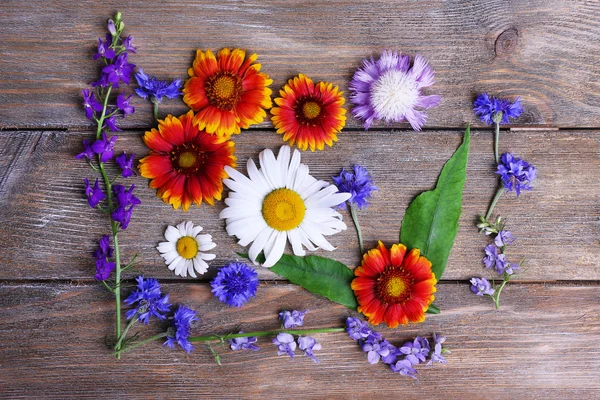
(431, 221)
(319, 275)
(433, 309)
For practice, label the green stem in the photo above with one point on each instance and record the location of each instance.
(358, 232)
(103, 115)
(155, 110)
(494, 201)
(498, 291)
(108, 287)
(211, 338)
(496, 140)
(143, 342)
(124, 334)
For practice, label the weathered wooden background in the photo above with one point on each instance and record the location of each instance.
(54, 319)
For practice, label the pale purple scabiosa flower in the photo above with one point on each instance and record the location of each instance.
(436, 355)
(94, 194)
(179, 332)
(390, 88)
(492, 110)
(357, 329)
(416, 351)
(126, 164)
(154, 90)
(292, 319)
(308, 345)
(90, 104)
(481, 286)
(105, 147)
(235, 284)
(285, 344)
(358, 183)
(149, 299)
(516, 174)
(243, 343)
(504, 238)
(404, 367)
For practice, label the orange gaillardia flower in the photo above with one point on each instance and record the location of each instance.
(185, 163)
(309, 115)
(228, 92)
(394, 286)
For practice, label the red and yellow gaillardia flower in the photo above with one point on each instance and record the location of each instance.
(309, 115)
(394, 286)
(227, 92)
(186, 164)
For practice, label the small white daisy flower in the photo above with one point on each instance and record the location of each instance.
(281, 201)
(184, 249)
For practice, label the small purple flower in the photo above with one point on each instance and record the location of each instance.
(285, 344)
(111, 27)
(376, 347)
(103, 269)
(153, 89)
(243, 343)
(292, 319)
(481, 286)
(122, 216)
(104, 49)
(504, 238)
(404, 367)
(90, 104)
(235, 284)
(358, 183)
(516, 174)
(94, 194)
(357, 329)
(105, 147)
(123, 104)
(121, 69)
(104, 250)
(124, 197)
(392, 356)
(390, 88)
(151, 302)
(126, 164)
(128, 44)
(111, 124)
(416, 351)
(179, 332)
(308, 345)
(87, 151)
(491, 253)
(492, 110)
(436, 355)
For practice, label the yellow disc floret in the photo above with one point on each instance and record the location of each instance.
(283, 209)
(187, 247)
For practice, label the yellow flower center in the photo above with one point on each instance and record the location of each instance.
(224, 86)
(187, 247)
(224, 90)
(283, 209)
(187, 159)
(394, 285)
(311, 110)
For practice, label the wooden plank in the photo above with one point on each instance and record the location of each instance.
(541, 344)
(544, 51)
(48, 230)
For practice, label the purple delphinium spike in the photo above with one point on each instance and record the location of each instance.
(308, 345)
(154, 89)
(104, 250)
(292, 319)
(180, 330)
(149, 299)
(111, 123)
(94, 194)
(285, 344)
(128, 44)
(516, 174)
(243, 343)
(481, 286)
(103, 269)
(126, 164)
(358, 183)
(488, 109)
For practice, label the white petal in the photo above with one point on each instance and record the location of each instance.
(197, 229)
(259, 243)
(170, 257)
(296, 242)
(269, 168)
(239, 212)
(206, 256)
(312, 230)
(313, 188)
(301, 178)
(274, 253)
(241, 228)
(172, 234)
(190, 268)
(283, 163)
(292, 170)
(200, 266)
(305, 240)
(165, 247)
(175, 264)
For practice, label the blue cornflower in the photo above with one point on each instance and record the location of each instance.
(416, 351)
(104, 250)
(436, 355)
(105, 147)
(504, 238)
(357, 329)
(358, 183)
(516, 174)
(235, 284)
(376, 347)
(481, 286)
(151, 302)
(154, 90)
(404, 367)
(123, 104)
(492, 110)
(94, 194)
(119, 70)
(90, 104)
(104, 49)
(104, 268)
(292, 319)
(243, 343)
(285, 344)
(308, 345)
(126, 164)
(179, 332)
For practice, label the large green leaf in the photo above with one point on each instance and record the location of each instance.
(431, 221)
(319, 275)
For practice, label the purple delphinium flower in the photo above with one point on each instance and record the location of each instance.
(292, 319)
(126, 164)
(154, 90)
(404, 367)
(111, 123)
(104, 250)
(392, 356)
(90, 104)
(389, 89)
(308, 345)
(416, 351)
(516, 174)
(104, 49)
(151, 302)
(358, 183)
(285, 344)
(436, 355)
(504, 238)
(243, 343)
(119, 70)
(122, 216)
(111, 27)
(123, 104)
(235, 284)
(491, 253)
(376, 347)
(94, 194)
(87, 152)
(105, 147)
(481, 286)
(126, 202)
(179, 332)
(357, 329)
(103, 269)
(128, 44)
(492, 109)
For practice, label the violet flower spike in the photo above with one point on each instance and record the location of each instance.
(404, 367)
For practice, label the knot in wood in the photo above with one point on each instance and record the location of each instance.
(507, 41)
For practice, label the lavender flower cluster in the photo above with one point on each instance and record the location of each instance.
(401, 359)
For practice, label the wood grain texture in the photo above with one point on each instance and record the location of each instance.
(544, 51)
(48, 230)
(543, 343)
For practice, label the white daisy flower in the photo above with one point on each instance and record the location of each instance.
(184, 249)
(281, 201)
